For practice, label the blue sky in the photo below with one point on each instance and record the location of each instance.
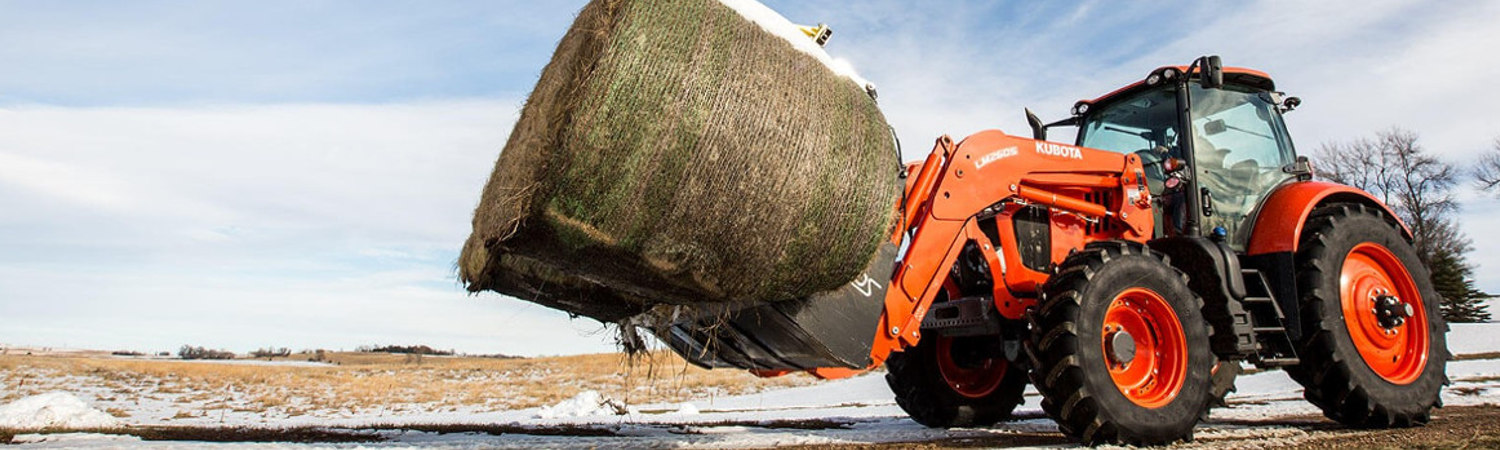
(301, 173)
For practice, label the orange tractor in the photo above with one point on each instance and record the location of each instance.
(1126, 276)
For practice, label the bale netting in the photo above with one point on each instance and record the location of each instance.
(675, 153)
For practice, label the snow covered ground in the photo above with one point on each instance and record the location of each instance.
(54, 409)
(1268, 408)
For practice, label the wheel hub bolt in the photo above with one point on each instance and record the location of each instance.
(1121, 347)
(1391, 311)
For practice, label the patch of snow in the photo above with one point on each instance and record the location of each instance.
(774, 23)
(73, 440)
(687, 409)
(1472, 338)
(53, 410)
(585, 404)
(863, 390)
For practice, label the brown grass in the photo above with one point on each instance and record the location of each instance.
(1476, 356)
(364, 381)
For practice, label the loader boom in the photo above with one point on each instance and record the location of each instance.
(971, 193)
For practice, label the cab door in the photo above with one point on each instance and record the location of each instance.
(1240, 146)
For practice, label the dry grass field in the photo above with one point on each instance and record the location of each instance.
(361, 384)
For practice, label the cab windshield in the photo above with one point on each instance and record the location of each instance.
(1145, 121)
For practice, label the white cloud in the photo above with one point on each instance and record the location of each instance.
(65, 182)
(354, 169)
(295, 225)
(1413, 64)
(1360, 66)
(166, 52)
(156, 309)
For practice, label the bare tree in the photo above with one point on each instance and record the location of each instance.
(1360, 163)
(1395, 168)
(1487, 174)
(1419, 188)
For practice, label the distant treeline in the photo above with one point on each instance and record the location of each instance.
(191, 352)
(133, 353)
(196, 352)
(271, 352)
(406, 349)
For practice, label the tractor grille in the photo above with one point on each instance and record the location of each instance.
(1034, 237)
(1104, 224)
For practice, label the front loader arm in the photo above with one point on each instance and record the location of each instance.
(1010, 207)
(993, 174)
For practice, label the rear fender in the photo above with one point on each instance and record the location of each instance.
(1278, 225)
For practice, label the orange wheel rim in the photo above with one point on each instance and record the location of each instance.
(1153, 376)
(1396, 353)
(975, 381)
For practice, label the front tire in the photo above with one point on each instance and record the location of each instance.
(1360, 370)
(1148, 387)
(941, 386)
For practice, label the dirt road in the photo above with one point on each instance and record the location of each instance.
(1452, 427)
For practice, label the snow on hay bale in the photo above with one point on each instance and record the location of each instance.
(681, 152)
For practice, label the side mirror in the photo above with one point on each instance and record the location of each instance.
(1302, 168)
(1291, 103)
(1038, 131)
(1212, 70)
(1213, 127)
(1282, 102)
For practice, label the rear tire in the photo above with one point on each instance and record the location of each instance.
(1083, 387)
(1359, 372)
(979, 395)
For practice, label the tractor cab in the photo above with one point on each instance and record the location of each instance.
(1198, 129)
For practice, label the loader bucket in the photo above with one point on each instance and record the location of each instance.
(829, 329)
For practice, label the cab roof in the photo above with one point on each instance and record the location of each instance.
(1232, 75)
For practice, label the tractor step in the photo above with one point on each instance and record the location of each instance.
(1277, 362)
(968, 316)
(1273, 345)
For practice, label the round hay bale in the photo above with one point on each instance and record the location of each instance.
(674, 152)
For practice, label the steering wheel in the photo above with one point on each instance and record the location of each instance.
(1153, 162)
(1152, 156)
